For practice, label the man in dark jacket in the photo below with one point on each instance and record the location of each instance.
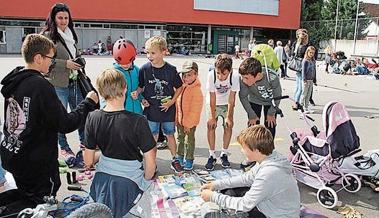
(33, 117)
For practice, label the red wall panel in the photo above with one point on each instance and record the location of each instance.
(166, 11)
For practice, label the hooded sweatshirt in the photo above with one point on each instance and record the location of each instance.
(131, 78)
(261, 93)
(189, 105)
(273, 189)
(33, 117)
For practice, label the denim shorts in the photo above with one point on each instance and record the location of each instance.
(168, 128)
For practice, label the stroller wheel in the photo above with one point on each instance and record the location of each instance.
(327, 197)
(351, 183)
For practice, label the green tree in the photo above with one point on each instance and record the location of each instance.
(318, 16)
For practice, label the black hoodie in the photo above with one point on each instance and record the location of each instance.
(33, 117)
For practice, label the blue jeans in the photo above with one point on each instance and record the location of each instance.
(299, 87)
(72, 96)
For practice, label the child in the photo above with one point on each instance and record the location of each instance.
(308, 72)
(124, 53)
(189, 105)
(34, 116)
(161, 86)
(257, 91)
(269, 188)
(222, 86)
(120, 176)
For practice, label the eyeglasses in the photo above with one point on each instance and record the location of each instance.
(51, 58)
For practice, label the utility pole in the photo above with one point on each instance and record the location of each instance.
(335, 28)
(356, 27)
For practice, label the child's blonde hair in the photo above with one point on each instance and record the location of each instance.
(310, 48)
(156, 42)
(258, 138)
(111, 84)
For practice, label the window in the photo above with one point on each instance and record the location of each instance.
(2, 37)
(29, 30)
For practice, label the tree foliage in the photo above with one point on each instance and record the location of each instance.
(318, 16)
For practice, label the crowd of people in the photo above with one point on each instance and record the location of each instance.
(138, 103)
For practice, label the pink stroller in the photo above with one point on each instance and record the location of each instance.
(315, 155)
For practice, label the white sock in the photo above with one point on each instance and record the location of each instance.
(224, 151)
(212, 153)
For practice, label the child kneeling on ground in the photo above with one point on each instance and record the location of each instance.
(120, 180)
(268, 190)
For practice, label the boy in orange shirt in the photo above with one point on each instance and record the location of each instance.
(189, 105)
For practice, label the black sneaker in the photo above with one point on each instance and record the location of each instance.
(175, 165)
(247, 165)
(224, 161)
(211, 163)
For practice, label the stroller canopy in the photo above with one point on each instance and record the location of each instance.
(339, 130)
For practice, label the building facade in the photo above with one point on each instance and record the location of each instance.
(196, 26)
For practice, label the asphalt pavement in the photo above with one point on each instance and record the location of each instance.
(358, 93)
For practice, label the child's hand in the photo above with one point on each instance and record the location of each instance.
(186, 130)
(253, 121)
(208, 185)
(134, 95)
(229, 123)
(165, 106)
(145, 103)
(206, 195)
(211, 123)
(271, 120)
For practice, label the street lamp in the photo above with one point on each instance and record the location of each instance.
(356, 27)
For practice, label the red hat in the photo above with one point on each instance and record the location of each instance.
(124, 51)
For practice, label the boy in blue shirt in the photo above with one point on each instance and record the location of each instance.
(161, 86)
(124, 53)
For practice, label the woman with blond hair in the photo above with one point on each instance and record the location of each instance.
(299, 48)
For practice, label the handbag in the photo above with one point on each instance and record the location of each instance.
(295, 64)
(83, 81)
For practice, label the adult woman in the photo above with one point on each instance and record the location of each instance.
(60, 29)
(299, 48)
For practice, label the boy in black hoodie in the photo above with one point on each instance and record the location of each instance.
(33, 117)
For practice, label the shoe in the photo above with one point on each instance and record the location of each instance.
(308, 111)
(247, 165)
(188, 165)
(162, 145)
(311, 102)
(79, 161)
(180, 159)
(69, 157)
(211, 163)
(224, 161)
(175, 165)
(295, 108)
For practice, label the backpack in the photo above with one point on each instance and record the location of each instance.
(266, 55)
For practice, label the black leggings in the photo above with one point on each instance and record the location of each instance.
(13, 201)
(258, 111)
(240, 192)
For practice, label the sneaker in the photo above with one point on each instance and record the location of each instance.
(224, 161)
(211, 163)
(188, 165)
(79, 161)
(308, 111)
(246, 165)
(162, 145)
(175, 165)
(69, 157)
(180, 159)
